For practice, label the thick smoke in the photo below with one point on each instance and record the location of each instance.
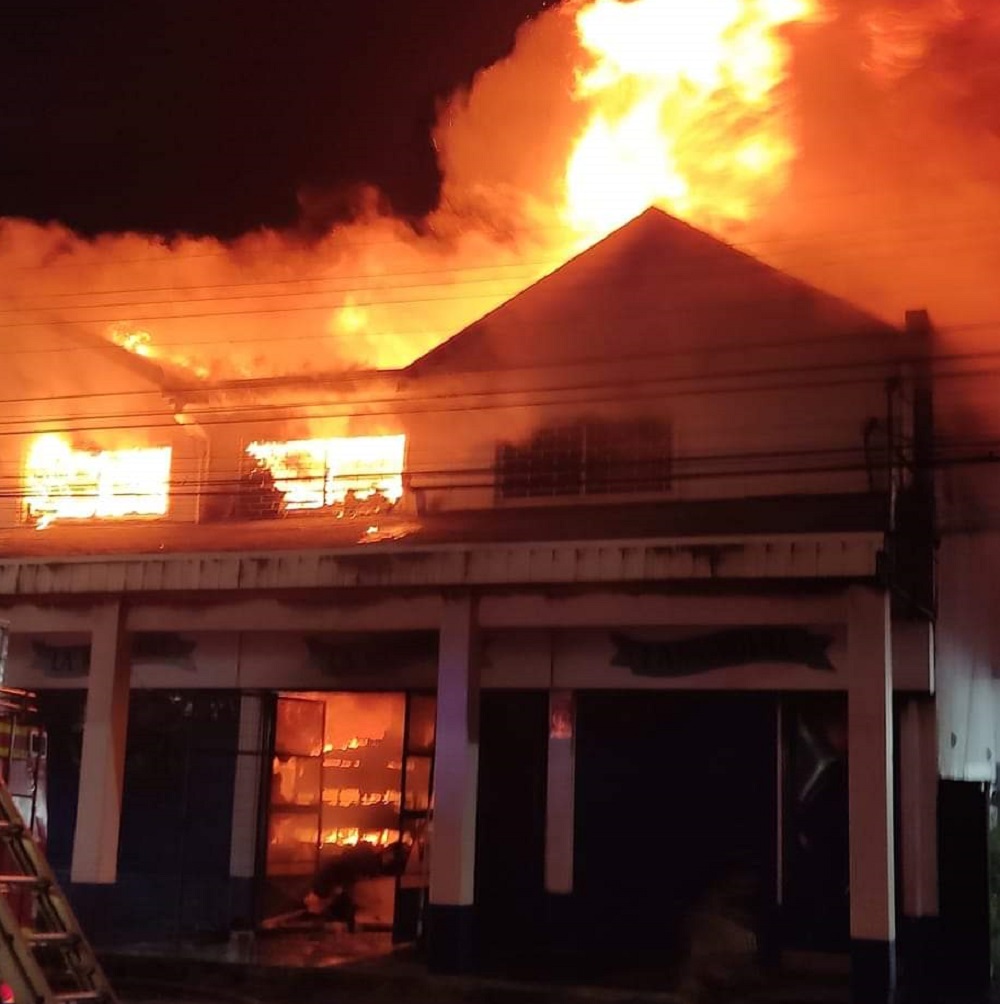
(895, 198)
(371, 292)
(894, 202)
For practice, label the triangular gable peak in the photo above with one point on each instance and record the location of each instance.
(656, 286)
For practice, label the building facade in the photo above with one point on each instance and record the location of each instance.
(614, 613)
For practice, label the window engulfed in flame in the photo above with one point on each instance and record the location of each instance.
(64, 483)
(317, 473)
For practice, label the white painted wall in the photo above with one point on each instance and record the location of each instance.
(770, 428)
(537, 659)
(759, 420)
(968, 655)
(226, 661)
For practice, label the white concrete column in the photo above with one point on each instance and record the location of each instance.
(246, 806)
(870, 785)
(246, 817)
(560, 794)
(102, 766)
(456, 768)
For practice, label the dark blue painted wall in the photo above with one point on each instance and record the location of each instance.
(173, 859)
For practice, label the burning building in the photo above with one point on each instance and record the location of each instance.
(622, 596)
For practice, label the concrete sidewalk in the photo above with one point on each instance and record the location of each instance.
(402, 979)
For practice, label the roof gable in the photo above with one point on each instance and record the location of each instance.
(655, 285)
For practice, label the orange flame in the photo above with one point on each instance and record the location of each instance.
(603, 108)
(64, 483)
(684, 113)
(319, 473)
(140, 343)
(351, 836)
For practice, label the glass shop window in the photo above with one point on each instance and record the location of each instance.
(350, 779)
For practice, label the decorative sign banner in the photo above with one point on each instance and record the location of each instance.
(392, 653)
(164, 647)
(65, 661)
(72, 660)
(732, 647)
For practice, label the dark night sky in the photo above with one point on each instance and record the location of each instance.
(210, 116)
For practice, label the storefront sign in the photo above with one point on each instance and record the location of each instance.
(165, 648)
(72, 660)
(391, 653)
(733, 647)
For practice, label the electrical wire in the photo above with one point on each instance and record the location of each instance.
(838, 374)
(906, 232)
(354, 300)
(629, 390)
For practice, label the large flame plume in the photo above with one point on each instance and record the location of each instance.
(684, 110)
(843, 140)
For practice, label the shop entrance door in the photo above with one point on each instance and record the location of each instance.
(349, 812)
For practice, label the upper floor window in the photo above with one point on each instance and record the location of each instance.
(314, 474)
(63, 482)
(586, 458)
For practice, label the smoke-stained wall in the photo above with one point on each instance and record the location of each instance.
(782, 421)
(968, 656)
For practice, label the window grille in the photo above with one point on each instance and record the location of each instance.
(587, 458)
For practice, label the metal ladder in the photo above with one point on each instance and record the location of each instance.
(45, 958)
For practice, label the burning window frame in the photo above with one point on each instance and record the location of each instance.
(323, 475)
(62, 482)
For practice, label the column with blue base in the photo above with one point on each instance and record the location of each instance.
(246, 812)
(450, 918)
(94, 867)
(870, 783)
(918, 785)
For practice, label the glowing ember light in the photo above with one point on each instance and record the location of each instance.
(350, 319)
(137, 342)
(64, 483)
(318, 473)
(684, 109)
(140, 343)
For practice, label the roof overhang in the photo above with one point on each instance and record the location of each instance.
(832, 556)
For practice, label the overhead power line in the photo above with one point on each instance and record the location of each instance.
(903, 232)
(355, 294)
(411, 402)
